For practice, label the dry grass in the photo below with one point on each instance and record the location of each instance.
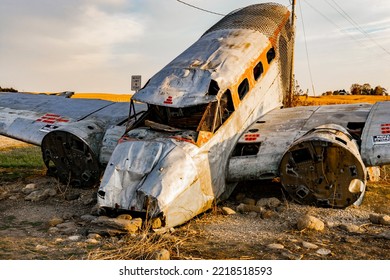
(339, 99)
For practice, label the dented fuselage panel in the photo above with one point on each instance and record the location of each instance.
(173, 164)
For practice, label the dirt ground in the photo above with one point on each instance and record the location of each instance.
(26, 228)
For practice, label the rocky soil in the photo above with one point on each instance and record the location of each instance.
(42, 219)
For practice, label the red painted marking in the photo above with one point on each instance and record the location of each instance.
(251, 136)
(168, 100)
(51, 118)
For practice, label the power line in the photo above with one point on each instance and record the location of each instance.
(307, 52)
(201, 9)
(346, 16)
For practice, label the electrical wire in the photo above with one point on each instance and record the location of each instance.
(347, 17)
(201, 9)
(307, 52)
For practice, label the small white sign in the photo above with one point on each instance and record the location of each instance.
(136, 82)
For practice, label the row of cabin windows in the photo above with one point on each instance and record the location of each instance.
(258, 70)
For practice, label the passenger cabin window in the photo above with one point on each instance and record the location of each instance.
(271, 55)
(243, 88)
(258, 70)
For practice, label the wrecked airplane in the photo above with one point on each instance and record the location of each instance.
(209, 119)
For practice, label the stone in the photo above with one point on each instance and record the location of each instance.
(123, 225)
(310, 222)
(29, 188)
(385, 235)
(92, 241)
(323, 251)
(162, 254)
(268, 214)
(245, 208)
(351, 228)
(228, 211)
(125, 217)
(374, 173)
(380, 219)
(156, 223)
(55, 221)
(271, 202)
(249, 201)
(253, 214)
(40, 195)
(75, 238)
(88, 218)
(67, 228)
(41, 247)
(275, 246)
(94, 236)
(309, 245)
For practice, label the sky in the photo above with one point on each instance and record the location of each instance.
(97, 45)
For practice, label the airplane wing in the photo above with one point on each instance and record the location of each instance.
(319, 152)
(76, 135)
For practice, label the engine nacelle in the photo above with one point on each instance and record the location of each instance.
(72, 152)
(324, 168)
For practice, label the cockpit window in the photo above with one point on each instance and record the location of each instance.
(213, 88)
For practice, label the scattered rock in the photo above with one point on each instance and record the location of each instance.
(75, 238)
(125, 217)
(29, 188)
(310, 222)
(385, 235)
(245, 208)
(55, 221)
(162, 254)
(125, 226)
(67, 228)
(268, 214)
(249, 201)
(92, 241)
(228, 211)
(323, 251)
(252, 214)
(275, 246)
(380, 219)
(309, 245)
(41, 247)
(271, 202)
(351, 228)
(40, 195)
(88, 218)
(374, 173)
(292, 256)
(94, 236)
(156, 223)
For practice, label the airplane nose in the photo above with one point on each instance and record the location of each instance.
(154, 177)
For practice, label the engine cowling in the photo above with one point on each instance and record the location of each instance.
(71, 153)
(324, 168)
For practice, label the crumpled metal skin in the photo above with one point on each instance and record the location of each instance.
(154, 176)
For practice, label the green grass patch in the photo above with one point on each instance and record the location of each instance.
(20, 163)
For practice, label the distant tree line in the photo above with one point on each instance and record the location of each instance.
(357, 89)
(8, 89)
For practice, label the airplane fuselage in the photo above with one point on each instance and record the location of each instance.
(173, 164)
